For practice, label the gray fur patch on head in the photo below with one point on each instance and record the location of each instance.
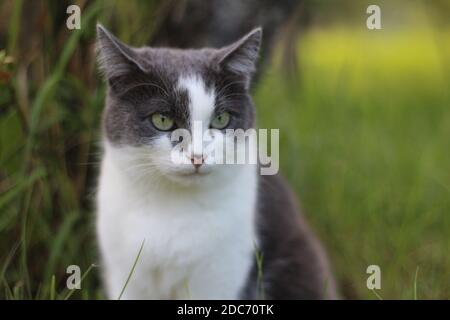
(143, 81)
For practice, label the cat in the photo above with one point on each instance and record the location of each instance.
(193, 230)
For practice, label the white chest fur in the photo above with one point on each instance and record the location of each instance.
(199, 243)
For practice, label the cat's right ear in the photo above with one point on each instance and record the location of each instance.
(240, 57)
(115, 58)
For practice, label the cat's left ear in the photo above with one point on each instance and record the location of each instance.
(240, 57)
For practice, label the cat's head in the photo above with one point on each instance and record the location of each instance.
(154, 91)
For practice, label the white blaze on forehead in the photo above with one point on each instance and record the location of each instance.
(201, 100)
(201, 108)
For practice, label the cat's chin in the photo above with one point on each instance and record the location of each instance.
(194, 174)
(207, 176)
(189, 177)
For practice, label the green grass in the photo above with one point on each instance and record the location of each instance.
(365, 143)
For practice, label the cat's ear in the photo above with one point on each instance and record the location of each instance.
(115, 58)
(240, 57)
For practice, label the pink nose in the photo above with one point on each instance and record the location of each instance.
(197, 161)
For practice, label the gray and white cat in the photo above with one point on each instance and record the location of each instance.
(205, 226)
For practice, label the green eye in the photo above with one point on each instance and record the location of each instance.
(221, 121)
(162, 122)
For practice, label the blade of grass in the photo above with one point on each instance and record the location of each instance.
(38, 292)
(58, 243)
(18, 291)
(415, 283)
(132, 270)
(23, 234)
(260, 279)
(14, 26)
(24, 184)
(53, 288)
(8, 260)
(8, 292)
(376, 294)
(325, 289)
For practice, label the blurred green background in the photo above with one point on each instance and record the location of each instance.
(364, 119)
